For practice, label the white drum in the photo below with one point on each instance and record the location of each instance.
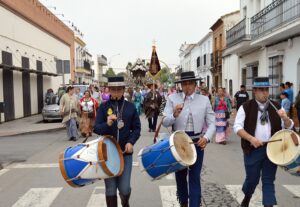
(285, 153)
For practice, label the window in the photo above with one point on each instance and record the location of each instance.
(198, 62)
(275, 75)
(204, 59)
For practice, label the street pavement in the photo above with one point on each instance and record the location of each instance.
(29, 176)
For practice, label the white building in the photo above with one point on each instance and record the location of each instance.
(32, 44)
(84, 74)
(185, 56)
(100, 64)
(267, 41)
(204, 60)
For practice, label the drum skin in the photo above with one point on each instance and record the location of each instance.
(81, 165)
(162, 158)
(285, 153)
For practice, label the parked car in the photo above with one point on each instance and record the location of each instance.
(51, 111)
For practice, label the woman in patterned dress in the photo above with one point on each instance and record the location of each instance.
(222, 106)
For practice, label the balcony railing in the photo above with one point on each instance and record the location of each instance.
(238, 33)
(274, 15)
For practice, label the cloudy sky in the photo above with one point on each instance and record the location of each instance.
(128, 27)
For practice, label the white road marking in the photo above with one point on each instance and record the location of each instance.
(237, 193)
(38, 197)
(97, 198)
(170, 177)
(44, 165)
(168, 196)
(295, 189)
(3, 171)
(34, 165)
(135, 164)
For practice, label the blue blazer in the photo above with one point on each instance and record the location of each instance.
(131, 131)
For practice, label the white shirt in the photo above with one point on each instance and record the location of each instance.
(262, 132)
(189, 124)
(87, 106)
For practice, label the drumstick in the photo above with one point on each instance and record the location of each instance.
(276, 140)
(276, 109)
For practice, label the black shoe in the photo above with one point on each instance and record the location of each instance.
(111, 201)
(125, 200)
(71, 139)
(184, 205)
(246, 201)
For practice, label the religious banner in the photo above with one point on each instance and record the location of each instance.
(154, 67)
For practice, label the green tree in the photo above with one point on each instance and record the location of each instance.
(122, 74)
(110, 72)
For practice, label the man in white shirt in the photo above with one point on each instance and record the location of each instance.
(189, 112)
(256, 122)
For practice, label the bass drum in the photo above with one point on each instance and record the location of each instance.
(88, 162)
(285, 153)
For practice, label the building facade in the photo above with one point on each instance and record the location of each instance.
(29, 66)
(219, 29)
(100, 64)
(204, 60)
(84, 73)
(267, 41)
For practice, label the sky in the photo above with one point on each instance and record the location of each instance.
(124, 30)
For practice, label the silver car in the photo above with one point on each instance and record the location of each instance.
(51, 111)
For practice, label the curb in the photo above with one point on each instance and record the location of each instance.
(10, 134)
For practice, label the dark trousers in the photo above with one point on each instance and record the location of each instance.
(257, 165)
(152, 122)
(190, 190)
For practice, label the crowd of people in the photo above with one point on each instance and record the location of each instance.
(202, 113)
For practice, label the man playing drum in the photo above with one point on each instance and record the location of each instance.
(256, 121)
(119, 118)
(189, 112)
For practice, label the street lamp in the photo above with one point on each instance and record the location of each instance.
(109, 62)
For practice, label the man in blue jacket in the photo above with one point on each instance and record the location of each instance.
(119, 118)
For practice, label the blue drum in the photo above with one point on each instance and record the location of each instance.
(88, 162)
(286, 151)
(168, 155)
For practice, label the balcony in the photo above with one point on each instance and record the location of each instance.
(102, 60)
(279, 20)
(238, 38)
(238, 33)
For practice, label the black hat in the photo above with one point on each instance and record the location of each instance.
(187, 76)
(261, 82)
(116, 81)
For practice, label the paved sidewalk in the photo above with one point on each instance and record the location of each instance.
(32, 124)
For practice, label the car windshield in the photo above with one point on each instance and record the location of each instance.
(51, 100)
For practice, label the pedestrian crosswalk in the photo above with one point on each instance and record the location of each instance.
(38, 197)
(44, 197)
(3, 171)
(98, 198)
(237, 193)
